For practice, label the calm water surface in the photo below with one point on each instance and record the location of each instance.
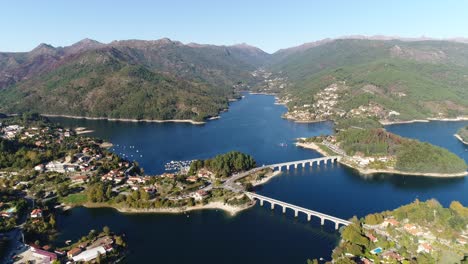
(259, 235)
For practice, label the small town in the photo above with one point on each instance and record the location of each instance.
(393, 237)
(63, 169)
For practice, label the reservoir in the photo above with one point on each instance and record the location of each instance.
(258, 235)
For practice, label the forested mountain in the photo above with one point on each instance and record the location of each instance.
(392, 80)
(160, 79)
(389, 79)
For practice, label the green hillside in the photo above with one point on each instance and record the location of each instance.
(415, 79)
(136, 79)
(102, 83)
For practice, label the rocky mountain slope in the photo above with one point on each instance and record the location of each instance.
(392, 80)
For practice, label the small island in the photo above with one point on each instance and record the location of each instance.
(363, 144)
(462, 135)
(420, 232)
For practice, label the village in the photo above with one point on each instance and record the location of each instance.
(394, 241)
(68, 169)
(325, 106)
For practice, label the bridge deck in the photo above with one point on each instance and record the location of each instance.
(301, 209)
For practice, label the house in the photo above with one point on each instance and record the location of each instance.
(391, 221)
(108, 247)
(191, 179)
(365, 261)
(6, 214)
(204, 173)
(149, 189)
(42, 254)
(461, 241)
(424, 247)
(198, 195)
(391, 255)
(73, 252)
(371, 237)
(39, 167)
(90, 254)
(79, 179)
(168, 175)
(36, 213)
(118, 179)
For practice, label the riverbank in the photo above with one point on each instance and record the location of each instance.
(129, 119)
(461, 139)
(312, 146)
(366, 171)
(230, 209)
(429, 119)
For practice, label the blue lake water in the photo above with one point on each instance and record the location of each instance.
(258, 235)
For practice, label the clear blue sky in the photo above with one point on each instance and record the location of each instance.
(270, 25)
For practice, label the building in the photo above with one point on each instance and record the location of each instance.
(198, 195)
(42, 254)
(36, 213)
(90, 254)
(79, 179)
(371, 237)
(424, 247)
(73, 252)
(391, 221)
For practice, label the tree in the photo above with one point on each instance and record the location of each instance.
(106, 230)
(52, 221)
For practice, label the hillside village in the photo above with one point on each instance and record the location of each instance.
(424, 232)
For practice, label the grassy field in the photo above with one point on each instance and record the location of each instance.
(76, 198)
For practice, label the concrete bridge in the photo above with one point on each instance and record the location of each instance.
(303, 163)
(297, 210)
(230, 183)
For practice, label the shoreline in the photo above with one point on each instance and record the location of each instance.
(429, 119)
(266, 179)
(129, 119)
(363, 171)
(461, 139)
(229, 209)
(385, 122)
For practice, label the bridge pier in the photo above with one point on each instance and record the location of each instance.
(295, 166)
(284, 209)
(309, 216)
(296, 213)
(336, 225)
(272, 206)
(261, 202)
(322, 221)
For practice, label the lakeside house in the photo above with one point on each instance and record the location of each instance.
(199, 195)
(73, 252)
(46, 256)
(90, 254)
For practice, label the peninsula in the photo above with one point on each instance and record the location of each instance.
(462, 135)
(367, 147)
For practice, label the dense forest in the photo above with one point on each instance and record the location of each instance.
(411, 155)
(225, 164)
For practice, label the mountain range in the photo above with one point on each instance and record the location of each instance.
(165, 79)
